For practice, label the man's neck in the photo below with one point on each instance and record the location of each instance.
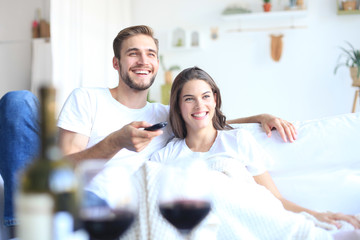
(129, 97)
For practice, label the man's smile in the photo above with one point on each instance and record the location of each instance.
(141, 71)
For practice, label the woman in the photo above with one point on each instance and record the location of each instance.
(199, 127)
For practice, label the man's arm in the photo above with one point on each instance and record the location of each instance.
(268, 122)
(74, 144)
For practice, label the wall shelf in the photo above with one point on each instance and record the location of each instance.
(347, 12)
(274, 18)
(266, 15)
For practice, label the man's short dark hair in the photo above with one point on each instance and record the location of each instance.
(130, 32)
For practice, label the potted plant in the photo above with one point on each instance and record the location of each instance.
(267, 6)
(349, 5)
(168, 71)
(350, 58)
(165, 88)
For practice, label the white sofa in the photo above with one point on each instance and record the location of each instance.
(320, 170)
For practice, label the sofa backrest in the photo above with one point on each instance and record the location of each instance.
(321, 169)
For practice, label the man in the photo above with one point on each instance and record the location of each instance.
(101, 123)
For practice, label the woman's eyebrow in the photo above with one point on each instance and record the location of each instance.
(189, 95)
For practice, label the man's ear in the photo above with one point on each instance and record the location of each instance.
(116, 63)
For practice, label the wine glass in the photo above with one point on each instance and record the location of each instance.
(108, 206)
(184, 194)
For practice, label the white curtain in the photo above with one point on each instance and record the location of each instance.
(82, 32)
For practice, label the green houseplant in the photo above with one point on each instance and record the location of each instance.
(165, 88)
(350, 58)
(168, 71)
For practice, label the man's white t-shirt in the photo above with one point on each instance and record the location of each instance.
(94, 113)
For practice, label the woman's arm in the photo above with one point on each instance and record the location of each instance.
(266, 180)
(268, 122)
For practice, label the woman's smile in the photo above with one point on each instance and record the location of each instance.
(200, 115)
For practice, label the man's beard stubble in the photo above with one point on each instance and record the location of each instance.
(128, 81)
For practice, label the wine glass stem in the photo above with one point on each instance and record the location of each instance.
(187, 236)
(91, 238)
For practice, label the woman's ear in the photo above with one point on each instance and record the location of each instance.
(116, 63)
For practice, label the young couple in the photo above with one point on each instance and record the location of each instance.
(101, 123)
(87, 131)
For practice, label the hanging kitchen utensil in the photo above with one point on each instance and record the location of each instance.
(276, 46)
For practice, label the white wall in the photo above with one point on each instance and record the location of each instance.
(16, 17)
(301, 86)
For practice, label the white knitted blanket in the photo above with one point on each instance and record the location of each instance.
(238, 212)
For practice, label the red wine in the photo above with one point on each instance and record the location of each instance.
(108, 227)
(185, 214)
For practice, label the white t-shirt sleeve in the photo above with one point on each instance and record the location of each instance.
(254, 152)
(76, 113)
